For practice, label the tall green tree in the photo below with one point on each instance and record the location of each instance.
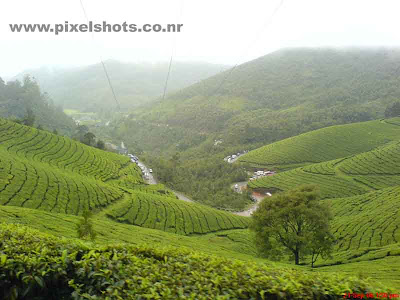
(88, 138)
(295, 222)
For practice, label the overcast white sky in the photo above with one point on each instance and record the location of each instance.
(218, 31)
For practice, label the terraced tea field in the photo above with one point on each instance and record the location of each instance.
(344, 177)
(384, 161)
(172, 215)
(44, 171)
(369, 220)
(330, 186)
(60, 152)
(325, 144)
(33, 185)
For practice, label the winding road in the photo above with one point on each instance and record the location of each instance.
(245, 213)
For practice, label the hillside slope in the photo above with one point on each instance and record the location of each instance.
(86, 88)
(38, 189)
(126, 272)
(44, 171)
(347, 175)
(325, 144)
(273, 97)
(17, 98)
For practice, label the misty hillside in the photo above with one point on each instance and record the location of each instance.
(280, 95)
(86, 88)
(26, 102)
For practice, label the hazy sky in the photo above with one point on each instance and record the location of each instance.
(218, 31)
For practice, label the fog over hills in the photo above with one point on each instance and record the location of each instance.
(86, 88)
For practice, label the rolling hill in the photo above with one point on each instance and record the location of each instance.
(351, 173)
(276, 96)
(86, 88)
(327, 144)
(47, 181)
(128, 272)
(45, 171)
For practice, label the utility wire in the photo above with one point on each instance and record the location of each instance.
(263, 28)
(172, 53)
(102, 62)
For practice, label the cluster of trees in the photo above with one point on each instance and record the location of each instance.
(206, 181)
(86, 137)
(24, 102)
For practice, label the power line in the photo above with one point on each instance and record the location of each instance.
(102, 62)
(172, 54)
(263, 28)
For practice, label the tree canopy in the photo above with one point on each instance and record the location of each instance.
(295, 222)
(25, 103)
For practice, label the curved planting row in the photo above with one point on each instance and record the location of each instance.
(330, 186)
(368, 220)
(325, 144)
(324, 168)
(172, 215)
(59, 151)
(33, 185)
(381, 161)
(129, 176)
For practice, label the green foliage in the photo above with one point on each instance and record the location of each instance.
(367, 221)
(344, 177)
(50, 172)
(165, 213)
(207, 181)
(88, 138)
(308, 89)
(85, 227)
(53, 173)
(296, 221)
(34, 265)
(27, 103)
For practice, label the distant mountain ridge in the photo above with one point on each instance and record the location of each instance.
(279, 95)
(86, 88)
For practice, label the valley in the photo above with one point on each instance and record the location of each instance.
(176, 220)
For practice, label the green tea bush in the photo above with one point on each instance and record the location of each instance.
(38, 266)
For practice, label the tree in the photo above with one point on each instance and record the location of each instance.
(85, 226)
(393, 110)
(55, 131)
(322, 246)
(100, 144)
(294, 222)
(29, 119)
(40, 127)
(88, 138)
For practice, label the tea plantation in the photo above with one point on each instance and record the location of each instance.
(324, 144)
(44, 171)
(31, 262)
(47, 181)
